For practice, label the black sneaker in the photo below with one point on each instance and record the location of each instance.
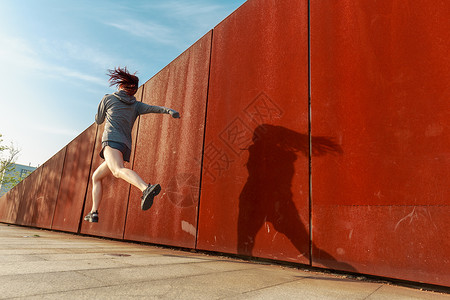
(92, 217)
(147, 196)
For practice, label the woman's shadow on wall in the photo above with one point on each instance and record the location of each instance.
(267, 194)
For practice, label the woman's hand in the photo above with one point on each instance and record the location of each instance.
(174, 114)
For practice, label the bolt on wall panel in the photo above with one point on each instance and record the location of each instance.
(255, 182)
(169, 151)
(380, 74)
(74, 181)
(113, 205)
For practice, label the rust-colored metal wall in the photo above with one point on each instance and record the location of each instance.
(113, 206)
(10, 202)
(255, 172)
(379, 140)
(27, 211)
(47, 192)
(380, 86)
(32, 201)
(169, 151)
(74, 181)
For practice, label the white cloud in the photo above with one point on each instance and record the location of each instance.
(70, 51)
(71, 133)
(18, 53)
(169, 23)
(146, 29)
(74, 74)
(186, 9)
(15, 51)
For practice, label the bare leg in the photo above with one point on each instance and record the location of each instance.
(114, 160)
(97, 189)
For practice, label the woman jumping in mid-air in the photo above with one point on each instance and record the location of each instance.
(120, 110)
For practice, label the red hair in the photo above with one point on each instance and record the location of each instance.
(124, 79)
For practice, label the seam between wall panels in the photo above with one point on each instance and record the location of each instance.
(310, 137)
(204, 138)
(59, 186)
(39, 187)
(88, 181)
(132, 166)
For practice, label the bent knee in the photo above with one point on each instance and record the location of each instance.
(116, 172)
(96, 176)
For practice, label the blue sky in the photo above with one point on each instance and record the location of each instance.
(54, 56)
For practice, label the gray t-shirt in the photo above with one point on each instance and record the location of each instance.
(120, 111)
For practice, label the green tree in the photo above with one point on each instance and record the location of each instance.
(8, 157)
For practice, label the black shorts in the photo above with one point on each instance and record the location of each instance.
(126, 152)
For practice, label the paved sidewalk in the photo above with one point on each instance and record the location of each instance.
(40, 264)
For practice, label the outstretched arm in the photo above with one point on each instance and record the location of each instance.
(147, 109)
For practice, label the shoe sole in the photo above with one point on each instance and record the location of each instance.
(148, 201)
(91, 220)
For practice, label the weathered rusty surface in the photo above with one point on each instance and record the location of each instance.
(380, 163)
(74, 181)
(380, 74)
(169, 151)
(255, 173)
(10, 202)
(28, 208)
(47, 192)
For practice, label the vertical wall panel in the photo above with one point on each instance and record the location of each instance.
(255, 173)
(47, 193)
(113, 206)
(169, 151)
(5, 203)
(10, 202)
(74, 181)
(380, 85)
(27, 211)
